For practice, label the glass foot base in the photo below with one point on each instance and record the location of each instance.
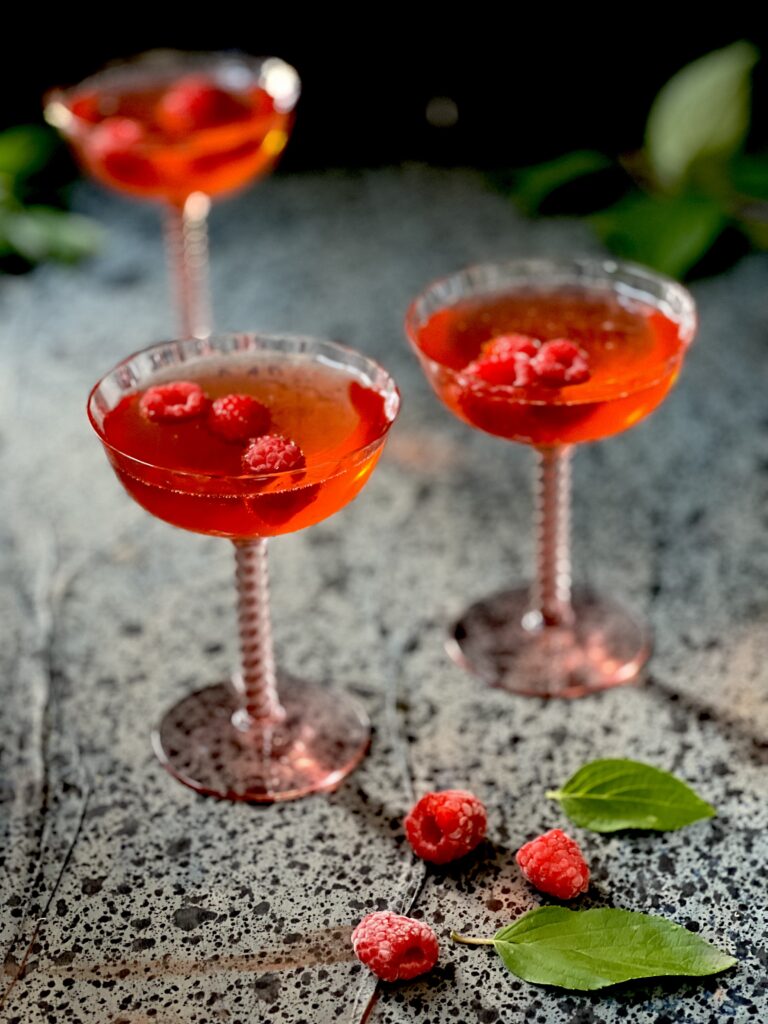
(322, 738)
(605, 646)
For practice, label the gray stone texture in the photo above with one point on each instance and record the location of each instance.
(126, 897)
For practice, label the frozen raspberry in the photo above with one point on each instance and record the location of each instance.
(505, 360)
(195, 103)
(238, 417)
(444, 826)
(395, 948)
(273, 453)
(554, 864)
(179, 400)
(560, 362)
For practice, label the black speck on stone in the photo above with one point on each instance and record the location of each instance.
(176, 847)
(666, 864)
(188, 918)
(90, 886)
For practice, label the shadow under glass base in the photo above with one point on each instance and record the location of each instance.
(322, 738)
(605, 646)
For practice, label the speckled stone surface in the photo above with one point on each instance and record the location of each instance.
(127, 898)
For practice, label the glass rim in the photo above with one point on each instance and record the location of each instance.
(160, 58)
(686, 319)
(392, 398)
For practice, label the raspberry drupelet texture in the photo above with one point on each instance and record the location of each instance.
(394, 947)
(560, 362)
(179, 400)
(273, 453)
(554, 864)
(446, 825)
(505, 360)
(238, 417)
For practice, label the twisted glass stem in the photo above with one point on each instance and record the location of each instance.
(551, 594)
(257, 680)
(186, 229)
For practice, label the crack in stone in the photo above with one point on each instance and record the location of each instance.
(52, 585)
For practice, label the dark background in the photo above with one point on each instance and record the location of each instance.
(526, 87)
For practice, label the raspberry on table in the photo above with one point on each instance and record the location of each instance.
(238, 417)
(505, 360)
(179, 400)
(395, 947)
(273, 453)
(195, 102)
(554, 863)
(446, 825)
(560, 362)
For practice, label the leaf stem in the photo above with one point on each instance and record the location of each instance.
(471, 940)
(553, 794)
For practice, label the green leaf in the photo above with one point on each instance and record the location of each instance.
(590, 949)
(749, 175)
(41, 232)
(703, 111)
(25, 149)
(533, 184)
(612, 794)
(669, 233)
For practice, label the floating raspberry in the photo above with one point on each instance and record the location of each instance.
(394, 947)
(554, 864)
(238, 417)
(119, 145)
(195, 103)
(116, 135)
(505, 360)
(273, 453)
(560, 362)
(87, 107)
(179, 400)
(446, 825)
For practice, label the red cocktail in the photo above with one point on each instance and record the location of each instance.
(246, 437)
(634, 352)
(186, 472)
(551, 354)
(180, 129)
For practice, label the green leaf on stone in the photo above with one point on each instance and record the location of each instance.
(702, 112)
(41, 232)
(613, 793)
(669, 233)
(591, 949)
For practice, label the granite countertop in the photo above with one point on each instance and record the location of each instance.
(128, 898)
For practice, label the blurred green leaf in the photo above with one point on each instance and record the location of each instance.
(703, 111)
(25, 149)
(41, 232)
(749, 175)
(533, 184)
(670, 233)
